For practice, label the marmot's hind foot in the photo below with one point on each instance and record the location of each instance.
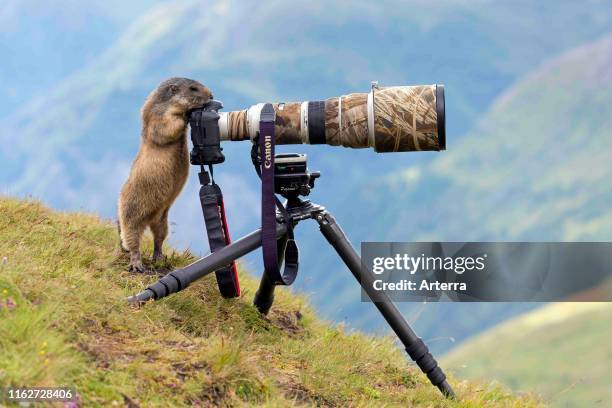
(157, 256)
(137, 267)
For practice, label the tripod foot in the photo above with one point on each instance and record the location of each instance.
(446, 389)
(264, 297)
(419, 353)
(263, 305)
(141, 298)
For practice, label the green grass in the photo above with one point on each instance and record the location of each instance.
(563, 351)
(72, 327)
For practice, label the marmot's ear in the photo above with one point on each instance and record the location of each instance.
(173, 89)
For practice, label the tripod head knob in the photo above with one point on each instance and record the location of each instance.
(291, 175)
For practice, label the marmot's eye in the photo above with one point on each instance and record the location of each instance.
(193, 88)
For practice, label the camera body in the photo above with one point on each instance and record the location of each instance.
(205, 137)
(291, 175)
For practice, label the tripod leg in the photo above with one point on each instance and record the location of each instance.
(415, 347)
(264, 297)
(181, 278)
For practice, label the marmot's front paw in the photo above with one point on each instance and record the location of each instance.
(136, 266)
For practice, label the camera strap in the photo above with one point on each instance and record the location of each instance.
(269, 205)
(217, 230)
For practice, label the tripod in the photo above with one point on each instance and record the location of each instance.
(298, 210)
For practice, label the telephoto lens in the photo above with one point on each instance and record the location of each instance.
(388, 119)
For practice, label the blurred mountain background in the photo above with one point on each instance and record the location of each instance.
(561, 351)
(528, 121)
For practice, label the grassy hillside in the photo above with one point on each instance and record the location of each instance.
(562, 350)
(97, 72)
(64, 321)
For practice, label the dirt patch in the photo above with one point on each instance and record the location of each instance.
(105, 346)
(185, 371)
(212, 396)
(129, 402)
(297, 392)
(288, 322)
(183, 345)
(104, 351)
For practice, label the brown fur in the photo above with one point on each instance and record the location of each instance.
(161, 167)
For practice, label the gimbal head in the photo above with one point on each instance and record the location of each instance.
(291, 175)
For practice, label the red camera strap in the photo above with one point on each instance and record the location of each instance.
(217, 230)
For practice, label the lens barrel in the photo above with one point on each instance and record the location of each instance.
(388, 119)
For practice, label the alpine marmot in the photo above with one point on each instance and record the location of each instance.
(160, 169)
